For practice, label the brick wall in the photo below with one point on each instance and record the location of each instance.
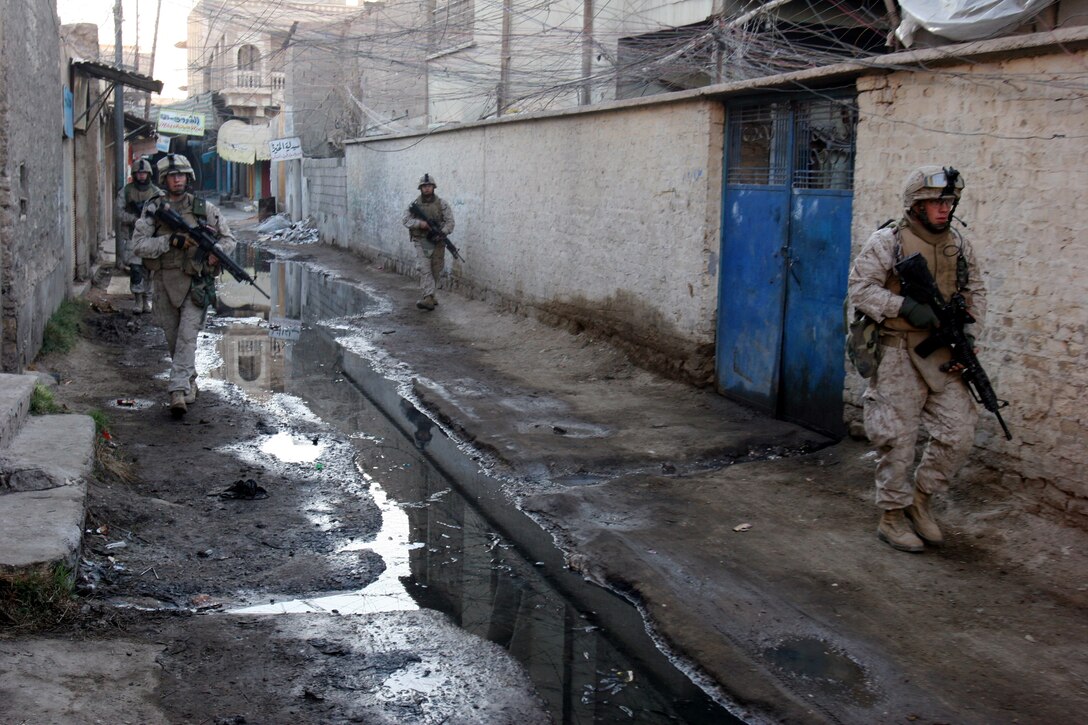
(1018, 134)
(36, 261)
(325, 198)
(603, 220)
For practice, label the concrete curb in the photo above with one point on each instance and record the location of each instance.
(44, 463)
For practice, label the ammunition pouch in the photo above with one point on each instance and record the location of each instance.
(202, 291)
(863, 343)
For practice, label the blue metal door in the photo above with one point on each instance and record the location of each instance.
(755, 226)
(785, 255)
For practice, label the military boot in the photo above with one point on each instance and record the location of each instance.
(190, 397)
(138, 304)
(427, 303)
(895, 531)
(922, 519)
(177, 403)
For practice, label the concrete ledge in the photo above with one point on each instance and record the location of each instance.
(49, 451)
(43, 491)
(15, 392)
(42, 527)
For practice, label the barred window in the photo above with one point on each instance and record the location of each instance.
(451, 27)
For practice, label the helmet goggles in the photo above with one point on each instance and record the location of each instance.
(948, 180)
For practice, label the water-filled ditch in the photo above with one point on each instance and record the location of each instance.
(450, 540)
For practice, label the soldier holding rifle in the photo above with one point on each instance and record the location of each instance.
(910, 388)
(184, 275)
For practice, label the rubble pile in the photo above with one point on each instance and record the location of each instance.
(279, 228)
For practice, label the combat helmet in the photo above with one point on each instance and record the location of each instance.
(175, 163)
(427, 179)
(142, 164)
(932, 182)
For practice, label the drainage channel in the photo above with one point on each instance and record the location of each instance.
(450, 539)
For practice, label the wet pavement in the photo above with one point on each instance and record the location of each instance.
(586, 651)
(746, 543)
(648, 552)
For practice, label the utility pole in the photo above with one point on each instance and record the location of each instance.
(587, 53)
(503, 96)
(118, 134)
(151, 67)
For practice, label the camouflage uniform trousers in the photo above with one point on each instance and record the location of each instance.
(430, 261)
(182, 326)
(896, 402)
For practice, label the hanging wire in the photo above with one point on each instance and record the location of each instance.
(400, 65)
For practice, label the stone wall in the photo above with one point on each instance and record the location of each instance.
(604, 220)
(36, 261)
(325, 199)
(609, 220)
(1021, 148)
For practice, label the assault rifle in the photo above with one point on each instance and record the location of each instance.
(208, 246)
(435, 234)
(917, 283)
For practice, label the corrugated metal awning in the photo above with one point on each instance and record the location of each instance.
(117, 75)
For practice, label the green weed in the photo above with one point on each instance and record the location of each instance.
(42, 402)
(62, 329)
(36, 599)
(101, 420)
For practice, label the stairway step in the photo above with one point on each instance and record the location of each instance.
(43, 489)
(15, 394)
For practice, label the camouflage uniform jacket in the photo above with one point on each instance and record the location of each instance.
(874, 287)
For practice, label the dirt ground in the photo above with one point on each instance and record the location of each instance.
(802, 617)
(165, 554)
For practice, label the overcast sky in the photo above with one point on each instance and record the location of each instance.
(169, 62)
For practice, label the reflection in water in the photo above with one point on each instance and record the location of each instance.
(388, 592)
(422, 434)
(440, 551)
(292, 449)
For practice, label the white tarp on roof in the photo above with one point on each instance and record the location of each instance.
(963, 19)
(243, 144)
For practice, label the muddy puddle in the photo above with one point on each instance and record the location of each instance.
(449, 539)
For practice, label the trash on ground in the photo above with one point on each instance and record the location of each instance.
(742, 527)
(126, 402)
(247, 490)
(117, 545)
(274, 224)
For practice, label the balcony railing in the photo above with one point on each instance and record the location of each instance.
(256, 81)
(248, 79)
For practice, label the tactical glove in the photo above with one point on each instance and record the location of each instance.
(918, 314)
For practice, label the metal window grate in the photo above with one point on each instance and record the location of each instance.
(758, 146)
(824, 145)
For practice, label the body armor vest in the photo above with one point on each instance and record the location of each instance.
(433, 211)
(194, 211)
(942, 253)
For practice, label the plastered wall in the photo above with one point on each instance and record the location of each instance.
(608, 219)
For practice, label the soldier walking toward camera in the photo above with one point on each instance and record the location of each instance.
(184, 286)
(430, 255)
(128, 206)
(907, 390)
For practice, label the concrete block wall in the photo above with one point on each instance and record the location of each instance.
(325, 198)
(36, 260)
(1021, 148)
(607, 220)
